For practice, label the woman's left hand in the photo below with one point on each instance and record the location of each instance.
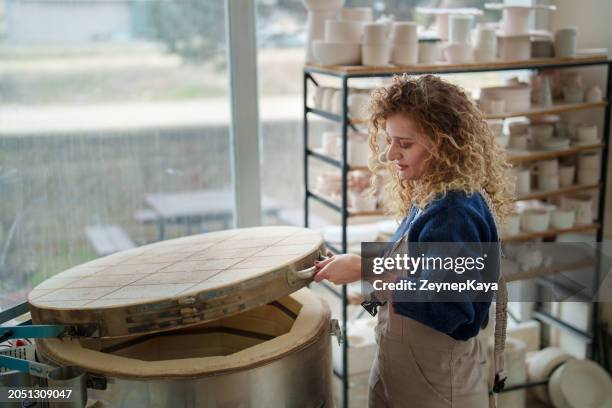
(339, 269)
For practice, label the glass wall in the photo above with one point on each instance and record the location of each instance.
(113, 130)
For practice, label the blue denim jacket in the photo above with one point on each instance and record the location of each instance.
(455, 217)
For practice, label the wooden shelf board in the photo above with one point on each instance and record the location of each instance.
(557, 107)
(549, 233)
(539, 195)
(535, 155)
(445, 67)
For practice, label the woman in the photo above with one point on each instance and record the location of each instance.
(450, 182)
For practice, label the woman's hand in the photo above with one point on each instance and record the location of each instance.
(339, 269)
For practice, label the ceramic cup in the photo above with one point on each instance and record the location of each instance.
(586, 133)
(582, 204)
(523, 181)
(548, 167)
(404, 32)
(562, 218)
(565, 42)
(374, 33)
(548, 182)
(513, 225)
(535, 220)
(375, 55)
(460, 28)
(405, 54)
(566, 175)
(589, 161)
(428, 51)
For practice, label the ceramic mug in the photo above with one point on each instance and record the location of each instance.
(548, 167)
(565, 42)
(513, 225)
(562, 218)
(375, 55)
(374, 33)
(535, 220)
(428, 51)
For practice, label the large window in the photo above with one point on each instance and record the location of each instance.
(113, 130)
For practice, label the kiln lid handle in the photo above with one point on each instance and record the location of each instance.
(294, 276)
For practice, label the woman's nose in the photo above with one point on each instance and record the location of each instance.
(393, 153)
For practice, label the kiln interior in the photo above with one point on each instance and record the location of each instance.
(218, 338)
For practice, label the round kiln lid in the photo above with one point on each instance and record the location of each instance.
(179, 282)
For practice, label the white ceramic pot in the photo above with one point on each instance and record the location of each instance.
(519, 142)
(582, 204)
(315, 29)
(363, 14)
(587, 133)
(540, 133)
(562, 219)
(548, 167)
(404, 32)
(358, 106)
(428, 51)
(535, 220)
(343, 31)
(327, 53)
(566, 175)
(565, 42)
(589, 161)
(523, 180)
(375, 33)
(460, 28)
(404, 54)
(515, 20)
(548, 182)
(375, 55)
(327, 100)
(458, 53)
(515, 48)
(513, 225)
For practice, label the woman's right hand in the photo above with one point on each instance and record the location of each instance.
(339, 269)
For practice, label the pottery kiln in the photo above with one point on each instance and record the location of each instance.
(208, 320)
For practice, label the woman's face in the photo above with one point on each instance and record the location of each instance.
(408, 146)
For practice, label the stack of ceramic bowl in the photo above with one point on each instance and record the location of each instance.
(319, 11)
(514, 34)
(375, 50)
(535, 220)
(342, 40)
(405, 43)
(459, 49)
(548, 174)
(486, 44)
(586, 134)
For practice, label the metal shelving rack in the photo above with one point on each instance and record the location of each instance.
(346, 73)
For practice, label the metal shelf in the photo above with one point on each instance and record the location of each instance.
(346, 73)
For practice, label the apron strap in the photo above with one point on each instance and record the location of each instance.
(501, 322)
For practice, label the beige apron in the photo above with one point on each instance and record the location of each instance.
(418, 366)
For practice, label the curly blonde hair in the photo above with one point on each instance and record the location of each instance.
(464, 155)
